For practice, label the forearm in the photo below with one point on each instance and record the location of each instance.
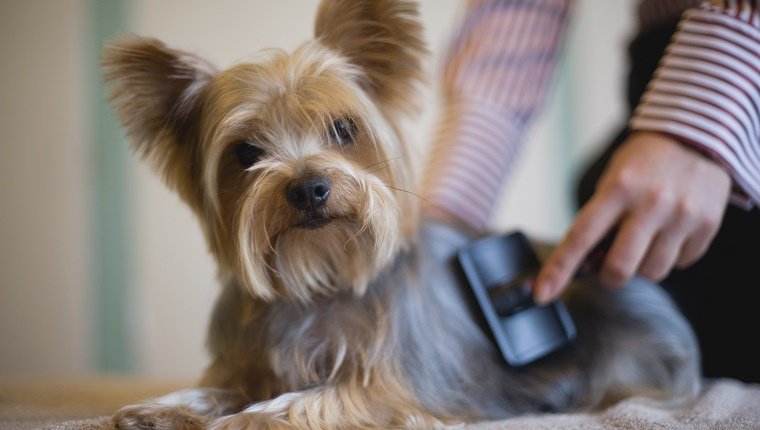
(495, 78)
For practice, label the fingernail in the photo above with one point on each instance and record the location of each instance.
(542, 293)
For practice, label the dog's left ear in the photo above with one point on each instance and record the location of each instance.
(384, 38)
(156, 90)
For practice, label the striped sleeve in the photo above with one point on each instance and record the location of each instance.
(495, 77)
(706, 90)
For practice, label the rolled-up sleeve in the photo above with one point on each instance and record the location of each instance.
(495, 78)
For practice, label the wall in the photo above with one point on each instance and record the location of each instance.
(44, 248)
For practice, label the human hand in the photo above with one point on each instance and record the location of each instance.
(667, 202)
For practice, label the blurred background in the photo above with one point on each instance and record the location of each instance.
(102, 270)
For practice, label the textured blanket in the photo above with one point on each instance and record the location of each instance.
(85, 405)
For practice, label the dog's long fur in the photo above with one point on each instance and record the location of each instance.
(344, 313)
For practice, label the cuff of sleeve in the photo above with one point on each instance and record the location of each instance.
(705, 93)
(472, 154)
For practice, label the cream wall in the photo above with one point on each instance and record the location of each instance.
(44, 196)
(44, 248)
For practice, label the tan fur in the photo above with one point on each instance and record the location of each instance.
(353, 322)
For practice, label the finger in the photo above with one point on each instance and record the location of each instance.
(696, 244)
(662, 255)
(593, 222)
(628, 249)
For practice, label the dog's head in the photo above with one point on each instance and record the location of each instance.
(295, 164)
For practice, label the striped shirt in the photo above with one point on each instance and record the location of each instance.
(705, 93)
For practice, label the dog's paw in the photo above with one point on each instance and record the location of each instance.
(156, 417)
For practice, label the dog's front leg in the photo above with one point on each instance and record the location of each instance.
(183, 410)
(335, 407)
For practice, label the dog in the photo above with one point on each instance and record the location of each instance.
(339, 305)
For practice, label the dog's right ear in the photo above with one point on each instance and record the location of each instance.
(384, 39)
(157, 93)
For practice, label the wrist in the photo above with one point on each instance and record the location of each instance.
(702, 154)
(694, 147)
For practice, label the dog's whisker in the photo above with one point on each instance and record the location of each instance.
(354, 237)
(379, 164)
(405, 191)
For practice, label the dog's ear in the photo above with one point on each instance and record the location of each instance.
(156, 91)
(383, 38)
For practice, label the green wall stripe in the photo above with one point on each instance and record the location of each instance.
(568, 134)
(112, 346)
(571, 163)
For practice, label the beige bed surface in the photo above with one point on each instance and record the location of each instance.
(85, 403)
(37, 403)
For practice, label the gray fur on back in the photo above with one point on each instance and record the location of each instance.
(630, 341)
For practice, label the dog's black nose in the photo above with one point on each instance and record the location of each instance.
(308, 194)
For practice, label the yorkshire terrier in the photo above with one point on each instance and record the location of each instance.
(339, 306)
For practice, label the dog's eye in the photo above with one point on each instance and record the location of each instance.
(343, 130)
(247, 154)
